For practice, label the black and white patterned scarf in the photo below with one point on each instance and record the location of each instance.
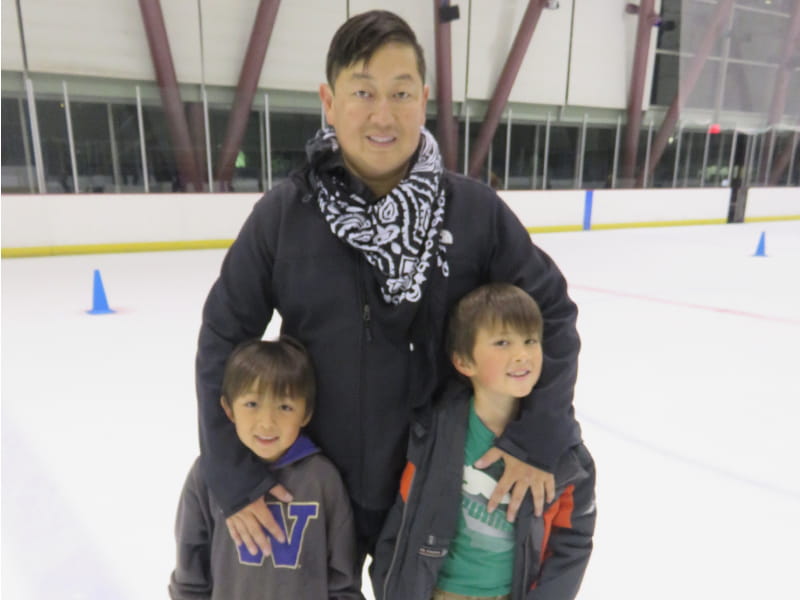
(399, 234)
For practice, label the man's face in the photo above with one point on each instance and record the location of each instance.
(377, 109)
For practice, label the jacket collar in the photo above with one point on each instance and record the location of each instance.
(301, 448)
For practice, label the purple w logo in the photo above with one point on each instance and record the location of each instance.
(286, 555)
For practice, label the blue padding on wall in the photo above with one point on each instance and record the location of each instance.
(587, 210)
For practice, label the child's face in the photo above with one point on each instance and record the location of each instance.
(505, 364)
(267, 424)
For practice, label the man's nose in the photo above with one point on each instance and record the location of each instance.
(382, 112)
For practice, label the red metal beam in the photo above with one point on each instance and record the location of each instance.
(686, 86)
(647, 18)
(245, 91)
(445, 125)
(780, 90)
(174, 112)
(504, 85)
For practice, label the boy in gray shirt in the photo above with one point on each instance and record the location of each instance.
(268, 395)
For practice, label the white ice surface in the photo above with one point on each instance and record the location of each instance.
(688, 395)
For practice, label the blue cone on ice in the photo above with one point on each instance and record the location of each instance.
(761, 248)
(99, 301)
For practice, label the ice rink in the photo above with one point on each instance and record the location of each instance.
(688, 395)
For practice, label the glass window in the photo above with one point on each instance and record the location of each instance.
(161, 166)
(57, 165)
(758, 36)
(17, 165)
(523, 159)
(562, 157)
(92, 147)
(126, 135)
(598, 161)
(748, 87)
(289, 133)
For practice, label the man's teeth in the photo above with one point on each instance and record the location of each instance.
(381, 140)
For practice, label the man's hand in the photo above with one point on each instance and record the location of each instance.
(521, 477)
(245, 525)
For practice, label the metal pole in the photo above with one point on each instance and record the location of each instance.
(705, 159)
(262, 150)
(114, 150)
(70, 140)
(546, 152)
(616, 153)
(268, 140)
(644, 27)
(581, 154)
(688, 160)
(264, 22)
(142, 149)
(647, 151)
(174, 112)
(489, 166)
(26, 145)
(508, 149)
(505, 83)
(676, 166)
(770, 153)
(792, 159)
(207, 132)
(447, 133)
(466, 142)
(37, 142)
(733, 154)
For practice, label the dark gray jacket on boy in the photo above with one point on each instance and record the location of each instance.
(316, 562)
(551, 552)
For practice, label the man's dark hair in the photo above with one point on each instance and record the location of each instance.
(490, 305)
(281, 368)
(364, 34)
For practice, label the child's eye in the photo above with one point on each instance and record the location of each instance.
(531, 341)
(250, 404)
(501, 343)
(286, 407)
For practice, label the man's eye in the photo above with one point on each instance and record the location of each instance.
(402, 95)
(362, 94)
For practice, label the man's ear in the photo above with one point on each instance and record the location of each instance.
(227, 408)
(326, 95)
(463, 365)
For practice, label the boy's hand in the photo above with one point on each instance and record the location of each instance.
(521, 477)
(245, 525)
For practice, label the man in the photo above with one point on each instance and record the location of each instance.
(363, 253)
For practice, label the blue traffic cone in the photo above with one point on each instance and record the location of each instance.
(99, 302)
(761, 248)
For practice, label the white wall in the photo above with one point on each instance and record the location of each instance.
(57, 221)
(542, 77)
(106, 38)
(603, 46)
(769, 203)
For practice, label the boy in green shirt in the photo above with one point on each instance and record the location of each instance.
(432, 550)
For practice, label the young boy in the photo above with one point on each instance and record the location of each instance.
(431, 549)
(268, 394)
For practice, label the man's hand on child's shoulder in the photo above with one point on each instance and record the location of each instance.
(245, 526)
(518, 477)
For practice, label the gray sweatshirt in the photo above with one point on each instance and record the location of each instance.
(316, 562)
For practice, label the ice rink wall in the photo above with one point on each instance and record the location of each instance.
(53, 224)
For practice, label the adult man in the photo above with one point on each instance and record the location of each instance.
(362, 254)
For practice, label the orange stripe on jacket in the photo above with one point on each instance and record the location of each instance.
(558, 515)
(406, 479)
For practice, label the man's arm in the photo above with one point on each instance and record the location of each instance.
(546, 426)
(237, 308)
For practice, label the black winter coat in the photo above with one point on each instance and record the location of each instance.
(374, 362)
(551, 552)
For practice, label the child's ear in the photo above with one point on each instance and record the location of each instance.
(307, 419)
(463, 365)
(227, 408)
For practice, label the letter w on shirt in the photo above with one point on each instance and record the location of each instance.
(286, 555)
